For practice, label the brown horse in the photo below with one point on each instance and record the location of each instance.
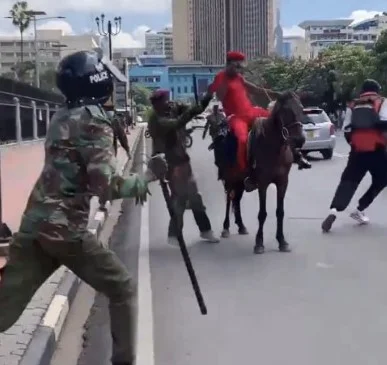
(271, 144)
(270, 153)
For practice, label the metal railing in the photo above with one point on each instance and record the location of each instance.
(26, 120)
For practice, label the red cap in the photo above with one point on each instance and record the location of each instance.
(235, 56)
(159, 94)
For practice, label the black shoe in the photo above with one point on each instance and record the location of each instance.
(304, 164)
(250, 184)
(328, 222)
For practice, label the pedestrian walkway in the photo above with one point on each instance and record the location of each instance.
(21, 165)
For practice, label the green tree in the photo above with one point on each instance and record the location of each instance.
(380, 60)
(353, 64)
(141, 95)
(23, 70)
(48, 80)
(21, 20)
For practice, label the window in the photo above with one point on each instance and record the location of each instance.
(6, 44)
(185, 89)
(178, 90)
(192, 89)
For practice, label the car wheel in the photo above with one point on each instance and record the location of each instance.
(327, 154)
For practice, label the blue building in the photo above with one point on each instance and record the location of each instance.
(155, 72)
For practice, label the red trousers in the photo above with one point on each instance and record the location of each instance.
(240, 126)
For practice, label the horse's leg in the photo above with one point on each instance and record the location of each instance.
(259, 247)
(226, 222)
(280, 213)
(239, 190)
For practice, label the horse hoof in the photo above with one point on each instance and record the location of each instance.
(243, 231)
(259, 250)
(285, 248)
(225, 233)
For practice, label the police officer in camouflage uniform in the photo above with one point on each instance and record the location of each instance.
(166, 126)
(79, 164)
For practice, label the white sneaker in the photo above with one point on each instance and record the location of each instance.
(209, 236)
(173, 241)
(359, 217)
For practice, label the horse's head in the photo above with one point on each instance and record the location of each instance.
(286, 116)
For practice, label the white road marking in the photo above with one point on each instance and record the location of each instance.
(341, 155)
(56, 314)
(145, 340)
(323, 265)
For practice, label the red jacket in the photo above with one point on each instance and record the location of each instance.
(367, 140)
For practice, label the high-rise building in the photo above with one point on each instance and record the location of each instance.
(204, 30)
(160, 43)
(52, 45)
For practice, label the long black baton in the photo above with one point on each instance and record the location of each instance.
(184, 251)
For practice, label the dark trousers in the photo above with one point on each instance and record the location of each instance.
(33, 260)
(359, 163)
(184, 189)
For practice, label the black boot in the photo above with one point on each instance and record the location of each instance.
(250, 182)
(303, 163)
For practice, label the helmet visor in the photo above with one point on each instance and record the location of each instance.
(117, 74)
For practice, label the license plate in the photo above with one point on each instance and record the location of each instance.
(310, 134)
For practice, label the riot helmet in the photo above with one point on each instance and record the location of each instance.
(370, 86)
(87, 78)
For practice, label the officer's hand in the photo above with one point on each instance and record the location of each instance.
(157, 168)
(141, 190)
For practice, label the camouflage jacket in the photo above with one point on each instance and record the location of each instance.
(79, 163)
(120, 135)
(168, 134)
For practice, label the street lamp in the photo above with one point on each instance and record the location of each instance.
(109, 31)
(34, 14)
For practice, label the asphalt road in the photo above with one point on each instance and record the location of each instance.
(324, 303)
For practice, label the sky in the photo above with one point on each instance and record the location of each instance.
(138, 16)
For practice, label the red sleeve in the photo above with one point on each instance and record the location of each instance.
(262, 112)
(216, 83)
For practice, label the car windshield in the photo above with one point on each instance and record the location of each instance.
(317, 116)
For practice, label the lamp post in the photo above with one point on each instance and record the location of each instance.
(34, 14)
(109, 30)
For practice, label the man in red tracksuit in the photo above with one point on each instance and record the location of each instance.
(231, 89)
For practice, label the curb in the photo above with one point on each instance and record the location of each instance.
(44, 340)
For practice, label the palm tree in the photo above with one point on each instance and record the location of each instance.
(21, 20)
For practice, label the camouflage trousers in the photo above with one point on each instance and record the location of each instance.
(32, 261)
(184, 190)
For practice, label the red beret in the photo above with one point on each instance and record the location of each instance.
(235, 56)
(159, 94)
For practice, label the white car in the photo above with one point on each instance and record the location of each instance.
(319, 133)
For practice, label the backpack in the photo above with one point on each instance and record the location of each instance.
(365, 113)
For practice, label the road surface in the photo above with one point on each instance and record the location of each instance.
(324, 303)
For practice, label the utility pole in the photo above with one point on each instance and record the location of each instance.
(108, 31)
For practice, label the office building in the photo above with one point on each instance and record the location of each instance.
(52, 46)
(159, 43)
(154, 72)
(294, 47)
(320, 34)
(204, 30)
(367, 32)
